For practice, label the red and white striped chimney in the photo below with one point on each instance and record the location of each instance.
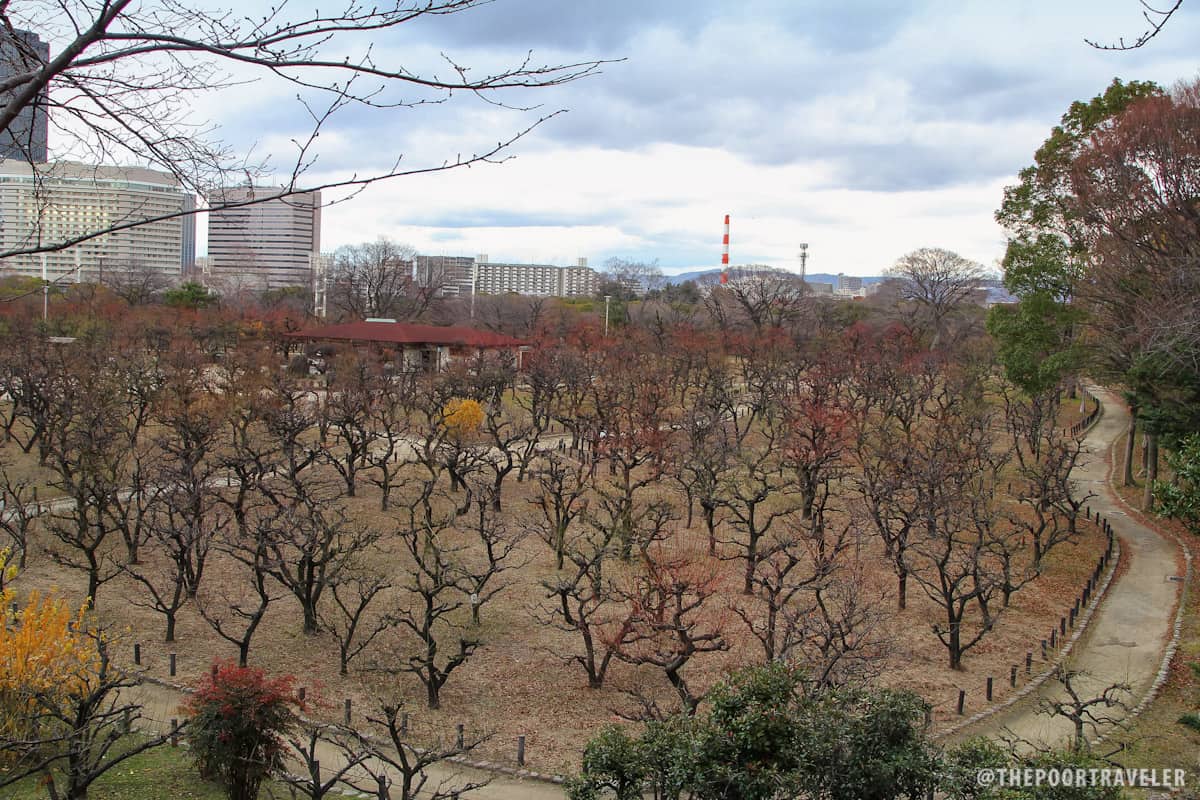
(725, 254)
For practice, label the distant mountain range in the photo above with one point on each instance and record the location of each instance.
(816, 277)
(996, 293)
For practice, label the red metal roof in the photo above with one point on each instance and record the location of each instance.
(408, 333)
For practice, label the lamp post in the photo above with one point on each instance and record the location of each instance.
(607, 298)
(474, 281)
(45, 290)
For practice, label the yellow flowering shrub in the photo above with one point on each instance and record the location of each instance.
(462, 417)
(48, 652)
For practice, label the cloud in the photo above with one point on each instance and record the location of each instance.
(866, 128)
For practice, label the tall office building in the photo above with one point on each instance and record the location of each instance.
(448, 276)
(25, 137)
(269, 244)
(64, 201)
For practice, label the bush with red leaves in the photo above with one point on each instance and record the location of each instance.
(238, 718)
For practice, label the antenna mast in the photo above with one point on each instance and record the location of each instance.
(725, 254)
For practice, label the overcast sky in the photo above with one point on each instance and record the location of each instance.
(866, 128)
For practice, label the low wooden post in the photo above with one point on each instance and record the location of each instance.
(126, 720)
(137, 654)
(346, 714)
(1012, 677)
(1043, 649)
(174, 733)
(1053, 638)
(989, 688)
(1062, 626)
(521, 748)
(381, 787)
(301, 693)
(1028, 662)
(171, 665)
(962, 699)
(1071, 617)
(458, 741)
(404, 722)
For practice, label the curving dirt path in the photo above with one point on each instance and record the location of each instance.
(1133, 625)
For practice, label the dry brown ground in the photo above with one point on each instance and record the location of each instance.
(518, 684)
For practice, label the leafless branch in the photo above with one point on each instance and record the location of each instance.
(1155, 18)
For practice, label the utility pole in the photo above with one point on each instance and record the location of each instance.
(607, 298)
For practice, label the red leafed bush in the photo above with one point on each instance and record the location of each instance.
(238, 718)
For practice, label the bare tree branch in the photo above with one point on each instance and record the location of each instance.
(1155, 18)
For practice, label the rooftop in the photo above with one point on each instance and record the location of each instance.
(407, 333)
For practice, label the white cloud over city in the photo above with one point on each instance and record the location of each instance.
(865, 129)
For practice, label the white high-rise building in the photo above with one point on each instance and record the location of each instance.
(456, 275)
(263, 245)
(64, 201)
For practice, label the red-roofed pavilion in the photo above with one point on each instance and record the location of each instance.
(418, 346)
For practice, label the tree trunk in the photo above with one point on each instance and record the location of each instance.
(955, 646)
(170, 615)
(310, 619)
(710, 513)
(1127, 476)
(1151, 471)
(901, 587)
(93, 586)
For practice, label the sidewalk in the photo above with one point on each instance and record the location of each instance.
(1132, 627)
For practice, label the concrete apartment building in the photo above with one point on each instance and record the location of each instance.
(457, 275)
(62, 201)
(25, 138)
(271, 244)
(849, 284)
